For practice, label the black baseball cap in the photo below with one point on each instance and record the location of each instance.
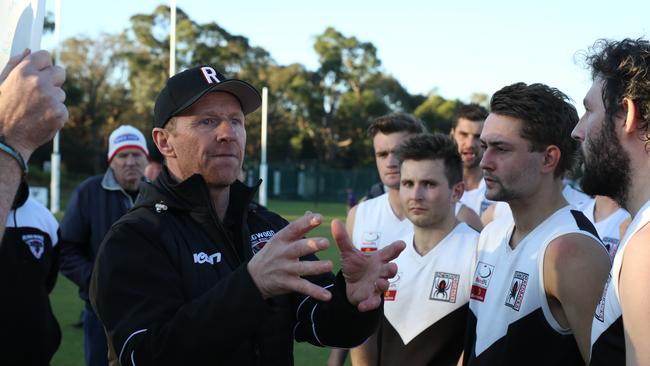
(185, 88)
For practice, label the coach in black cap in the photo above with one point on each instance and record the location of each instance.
(196, 274)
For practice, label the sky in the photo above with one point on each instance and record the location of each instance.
(455, 48)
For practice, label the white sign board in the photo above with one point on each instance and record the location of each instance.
(21, 26)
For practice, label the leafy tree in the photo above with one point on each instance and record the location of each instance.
(437, 112)
(97, 97)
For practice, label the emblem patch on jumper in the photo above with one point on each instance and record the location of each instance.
(370, 239)
(445, 287)
(482, 276)
(259, 240)
(391, 293)
(611, 244)
(516, 291)
(35, 243)
(600, 309)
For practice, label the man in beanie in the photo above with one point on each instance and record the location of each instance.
(196, 274)
(93, 207)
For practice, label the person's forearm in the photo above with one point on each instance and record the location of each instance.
(10, 177)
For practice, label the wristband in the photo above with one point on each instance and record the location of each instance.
(6, 148)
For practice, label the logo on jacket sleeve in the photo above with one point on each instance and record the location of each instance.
(35, 243)
(482, 276)
(259, 240)
(445, 286)
(517, 290)
(201, 258)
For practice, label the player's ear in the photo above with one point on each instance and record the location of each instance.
(457, 191)
(552, 155)
(632, 118)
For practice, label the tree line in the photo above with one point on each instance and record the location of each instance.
(319, 115)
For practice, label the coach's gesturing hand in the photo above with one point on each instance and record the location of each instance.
(277, 268)
(366, 275)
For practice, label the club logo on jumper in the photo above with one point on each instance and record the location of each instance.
(611, 244)
(482, 276)
(445, 286)
(391, 293)
(600, 309)
(201, 258)
(35, 243)
(370, 239)
(259, 240)
(517, 290)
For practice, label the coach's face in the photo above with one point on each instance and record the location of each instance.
(208, 138)
(510, 169)
(387, 163)
(606, 163)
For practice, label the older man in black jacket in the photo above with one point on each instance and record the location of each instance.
(197, 274)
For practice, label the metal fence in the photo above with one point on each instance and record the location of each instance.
(314, 181)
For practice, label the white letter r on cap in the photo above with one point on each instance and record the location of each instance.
(210, 75)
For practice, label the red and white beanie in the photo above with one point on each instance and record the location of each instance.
(126, 137)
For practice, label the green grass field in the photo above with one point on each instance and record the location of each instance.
(67, 305)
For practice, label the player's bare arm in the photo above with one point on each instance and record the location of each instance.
(634, 292)
(488, 214)
(575, 270)
(471, 218)
(349, 221)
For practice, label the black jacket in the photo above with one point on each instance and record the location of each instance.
(29, 333)
(94, 206)
(171, 285)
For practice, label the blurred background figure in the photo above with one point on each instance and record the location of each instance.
(94, 206)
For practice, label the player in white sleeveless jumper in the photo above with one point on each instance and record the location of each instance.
(465, 131)
(615, 138)
(379, 221)
(425, 307)
(376, 224)
(608, 219)
(531, 297)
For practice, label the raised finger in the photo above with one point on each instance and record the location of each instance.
(391, 251)
(298, 228)
(302, 247)
(388, 270)
(309, 289)
(310, 268)
(341, 236)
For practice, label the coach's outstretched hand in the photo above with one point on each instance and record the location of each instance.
(366, 275)
(277, 268)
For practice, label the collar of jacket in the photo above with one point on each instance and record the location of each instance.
(109, 183)
(192, 194)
